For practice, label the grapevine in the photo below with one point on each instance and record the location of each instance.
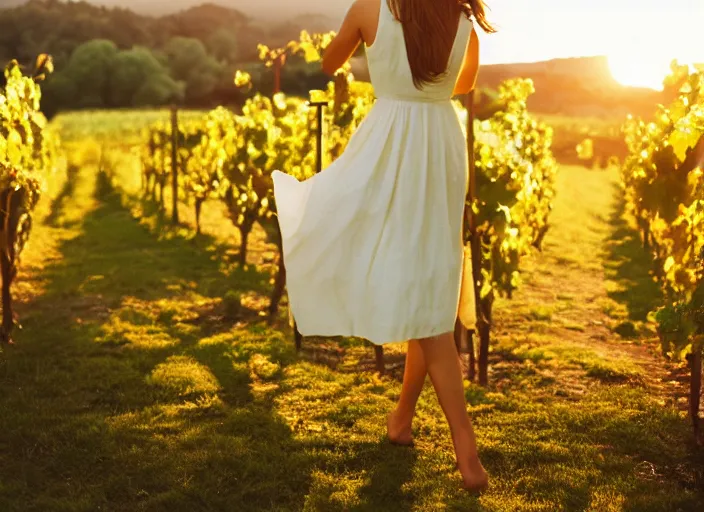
(663, 180)
(27, 151)
(515, 186)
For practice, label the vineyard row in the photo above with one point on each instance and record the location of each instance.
(231, 157)
(663, 180)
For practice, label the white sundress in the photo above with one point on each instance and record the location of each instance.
(373, 244)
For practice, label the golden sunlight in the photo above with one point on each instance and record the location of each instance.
(640, 70)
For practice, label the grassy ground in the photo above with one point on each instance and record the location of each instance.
(138, 383)
(110, 126)
(569, 131)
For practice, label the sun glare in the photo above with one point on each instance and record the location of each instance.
(640, 71)
(647, 69)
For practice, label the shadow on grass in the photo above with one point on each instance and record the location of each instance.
(351, 355)
(60, 201)
(114, 399)
(611, 446)
(163, 259)
(391, 468)
(118, 397)
(629, 265)
(372, 478)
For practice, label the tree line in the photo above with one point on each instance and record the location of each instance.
(115, 58)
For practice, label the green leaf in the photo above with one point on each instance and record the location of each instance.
(14, 149)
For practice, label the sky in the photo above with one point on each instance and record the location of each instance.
(640, 37)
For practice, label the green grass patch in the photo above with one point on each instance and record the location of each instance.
(541, 313)
(110, 126)
(573, 326)
(132, 388)
(597, 364)
(626, 330)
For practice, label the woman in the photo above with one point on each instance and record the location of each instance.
(373, 244)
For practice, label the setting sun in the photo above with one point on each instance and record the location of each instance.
(645, 71)
(639, 37)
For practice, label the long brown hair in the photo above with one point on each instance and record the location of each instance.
(428, 28)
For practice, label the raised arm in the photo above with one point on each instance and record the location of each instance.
(470, 67)
(348, 39)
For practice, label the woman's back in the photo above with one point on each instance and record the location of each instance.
(390, 66)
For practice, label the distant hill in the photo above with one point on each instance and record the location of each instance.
(582, 86)
(578, 86)
(270, 11)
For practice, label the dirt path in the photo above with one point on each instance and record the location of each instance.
(585, 298)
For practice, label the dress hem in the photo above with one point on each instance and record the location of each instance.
(377, 342)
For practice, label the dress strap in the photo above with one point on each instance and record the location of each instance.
(385, 13)
(464, 31)
(386, 19)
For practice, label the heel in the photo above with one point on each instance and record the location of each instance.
(475, 486)
(408, 442)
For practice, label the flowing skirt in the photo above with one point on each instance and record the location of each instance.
(373, 244)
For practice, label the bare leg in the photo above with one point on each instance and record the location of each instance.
(446, 374)
(400, 420)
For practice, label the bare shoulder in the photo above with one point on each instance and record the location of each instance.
(365, 16)
(365, 9)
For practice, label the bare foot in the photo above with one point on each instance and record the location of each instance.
(397, 432)
(474, 477)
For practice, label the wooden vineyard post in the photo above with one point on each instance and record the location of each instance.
(319, 105)
(463, 338)
(379, 357)
(695, 389)
(278, 65)
(280, 279)
(484, 305)
(174, 164)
